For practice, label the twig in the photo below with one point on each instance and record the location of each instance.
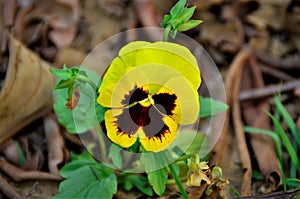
(18, 174)
(8, 189)
(269, 90)
(240, 137)
(275, 72)
(263, 145)
(235, 67)
(275, 62)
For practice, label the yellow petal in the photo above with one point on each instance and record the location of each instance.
(161, 140)
(115, 134)
(165, 53)
(187, 106)
(172, 59)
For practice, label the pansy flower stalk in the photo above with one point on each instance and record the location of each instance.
(150, 89)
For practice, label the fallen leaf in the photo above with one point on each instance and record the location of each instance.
(27, 89)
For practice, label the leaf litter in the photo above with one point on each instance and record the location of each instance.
(64, 31)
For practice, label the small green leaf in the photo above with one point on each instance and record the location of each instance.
(20, 154)
(83, 117)
(115, 155)
(288, 119)
(178, 8)
(64, 84)
(89, 182)
(165, 21)
(209, 107)
(100, 112)
(189, 25)
(285, 140)
(61, 73)
(139, 182)
(187, 13)
(78, 161)
(158, 180)
(127, 185)
(173, 33)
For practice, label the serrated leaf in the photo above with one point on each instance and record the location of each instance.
(115, 155)
(139, 182)
(189, 25)
(209, 107)
(89, 182)
(186, 14)
(78, 161)
(178, 8)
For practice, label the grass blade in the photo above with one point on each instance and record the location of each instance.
(285, 140)
(286, 116)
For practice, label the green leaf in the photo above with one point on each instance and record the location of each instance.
(287, 118)
(83, 117)
(188, 141)
(100, 112)
(139, 182)
(154, 161)
(173, 33)
(186, 14)
(89, 182)
(61, 73)
(115, 155)
(189, 25)
(77, 162)
(209, 107)
(178, 8)
(20, 154)
(285, 140)
(165, 21)
(64, 84)
(158, 180)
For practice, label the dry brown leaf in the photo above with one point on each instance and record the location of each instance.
(270, 13)
(226, 37)
(101, 26)
(55, 144)
(27, 89)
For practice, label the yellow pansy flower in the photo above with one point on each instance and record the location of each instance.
(150, 89)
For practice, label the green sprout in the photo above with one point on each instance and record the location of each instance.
(179, 20)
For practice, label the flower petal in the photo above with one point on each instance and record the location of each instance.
(116, 134)
(158, 140)
(165, 53)
(171, 59)
(185, 108)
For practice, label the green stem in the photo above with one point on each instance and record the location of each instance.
(177, 180)
(166, 33)
(87, 80)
